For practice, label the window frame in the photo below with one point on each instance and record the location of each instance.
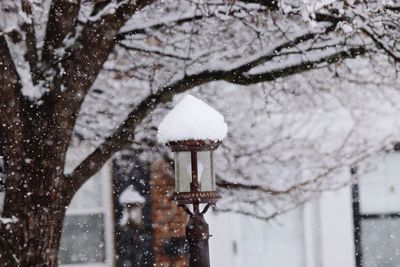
(106, 209)
(359, 217)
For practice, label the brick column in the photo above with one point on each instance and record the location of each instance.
(168, 220)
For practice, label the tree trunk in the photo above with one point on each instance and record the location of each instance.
(34, 207)
(33, 240)
(37, 191)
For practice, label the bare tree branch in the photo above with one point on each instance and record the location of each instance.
(84, 60)
(12, 105)
(277, 49)
(153, 52)
(123, 35)
(61, 23)
(30, 41)
(275, 192)
(123, 135)
(381, 44)
(264, 218)
(247, 79)
(272, 5)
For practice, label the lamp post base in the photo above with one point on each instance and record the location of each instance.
(197, 235)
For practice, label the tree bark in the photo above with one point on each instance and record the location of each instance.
(32, 225)
(33, 239)
(36, 193)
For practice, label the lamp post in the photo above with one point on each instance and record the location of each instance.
(133, 204)
(193, 130)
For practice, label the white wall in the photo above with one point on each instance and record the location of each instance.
(326, 239)
(336, 229)
(225, 231)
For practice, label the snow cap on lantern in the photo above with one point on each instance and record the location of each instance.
(131, 196)
(192, 119)
(193, 130)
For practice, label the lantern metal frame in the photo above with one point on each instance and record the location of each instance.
(195, 195)
(128, 208)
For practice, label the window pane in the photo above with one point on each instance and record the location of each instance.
(205, 171)
(381, 242)
(183, 171)
(82, 239)
(89, 195)
(380, 189)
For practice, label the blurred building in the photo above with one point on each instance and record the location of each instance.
(356, 226)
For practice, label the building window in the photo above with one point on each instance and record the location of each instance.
(87, 232)
(376, 207)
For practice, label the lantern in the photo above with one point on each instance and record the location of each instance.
(193, 130)
(133, 203)
(194, 171)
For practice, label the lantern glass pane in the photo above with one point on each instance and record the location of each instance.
(205, 168)
(183, 175)
(135, 215)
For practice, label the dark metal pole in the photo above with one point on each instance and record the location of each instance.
(136, 245)
(357, 225)
(357, 218)
(197, 231)
(197, 235)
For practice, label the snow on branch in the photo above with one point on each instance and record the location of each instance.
(11, 116)
(392, 51)
(31, 43)
(179, 21)
(173, 46)
(13, 219)
(275, 50)
(297, 67)
(123, 136)
(61, 23)
(83, 62)
(110, 8)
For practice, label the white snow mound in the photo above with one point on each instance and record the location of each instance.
(192, 119)
(131, 196)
